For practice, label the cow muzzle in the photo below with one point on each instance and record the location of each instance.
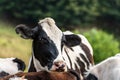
(59, 66)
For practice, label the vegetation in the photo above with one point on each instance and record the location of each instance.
(67, 12)
(11, 45)
(104, 44)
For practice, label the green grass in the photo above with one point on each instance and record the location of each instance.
(11, 45)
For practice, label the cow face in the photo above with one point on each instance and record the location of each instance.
(47, 41)
(11, 66)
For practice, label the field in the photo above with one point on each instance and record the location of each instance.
(11, 45)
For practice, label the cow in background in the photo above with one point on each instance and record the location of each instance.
(109, 69)
(9, 66)
(52, 49)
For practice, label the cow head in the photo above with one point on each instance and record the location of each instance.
(47, 41)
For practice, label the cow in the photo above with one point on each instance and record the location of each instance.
(43, 75)
(109, 69)
(9, 66)
(53, 49)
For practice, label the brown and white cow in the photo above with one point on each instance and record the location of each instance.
(44, 75)
(50, 46)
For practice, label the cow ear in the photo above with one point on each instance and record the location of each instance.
(21, 65)
(72, 40)
(24, 31)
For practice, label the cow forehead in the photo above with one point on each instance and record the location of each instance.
(49, 26)
(50, 21)
(53, 32)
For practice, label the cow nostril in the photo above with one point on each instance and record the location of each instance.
(63, 65)
(57, 65)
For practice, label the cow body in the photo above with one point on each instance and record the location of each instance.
(51, 45)
(43, 75)
(9, 66)
(108, 69)
(78, 57)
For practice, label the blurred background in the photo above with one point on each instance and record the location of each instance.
(98, 20)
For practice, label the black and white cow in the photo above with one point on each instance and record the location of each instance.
(109, 69)
(51, 47)
(9, 66)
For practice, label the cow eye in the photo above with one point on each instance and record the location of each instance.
(43, 40)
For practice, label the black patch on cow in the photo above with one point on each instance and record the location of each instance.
(84, 58)
(82, 66)
(63, 58)
(72, 40)
(71, 49)
(75, 74)
(87, 52)
(44, 49)
(91, 77)
(77, 69)
(2, 74)
(32, 67)
(21, 65)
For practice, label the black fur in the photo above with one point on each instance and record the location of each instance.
(91, 77)
(21, 65)
(75, 74)
(72, 40)
(2, 74)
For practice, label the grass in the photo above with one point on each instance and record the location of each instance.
(11, 45)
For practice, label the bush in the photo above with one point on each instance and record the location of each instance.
(64, 11)
(104, 45)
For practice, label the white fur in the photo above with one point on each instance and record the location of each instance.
(108, 69)
(7, 65)
(17, 78)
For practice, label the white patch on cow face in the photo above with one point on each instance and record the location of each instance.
(54, 33)
(8, 65)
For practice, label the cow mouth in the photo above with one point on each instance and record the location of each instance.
(59, 66)
(60, 69)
